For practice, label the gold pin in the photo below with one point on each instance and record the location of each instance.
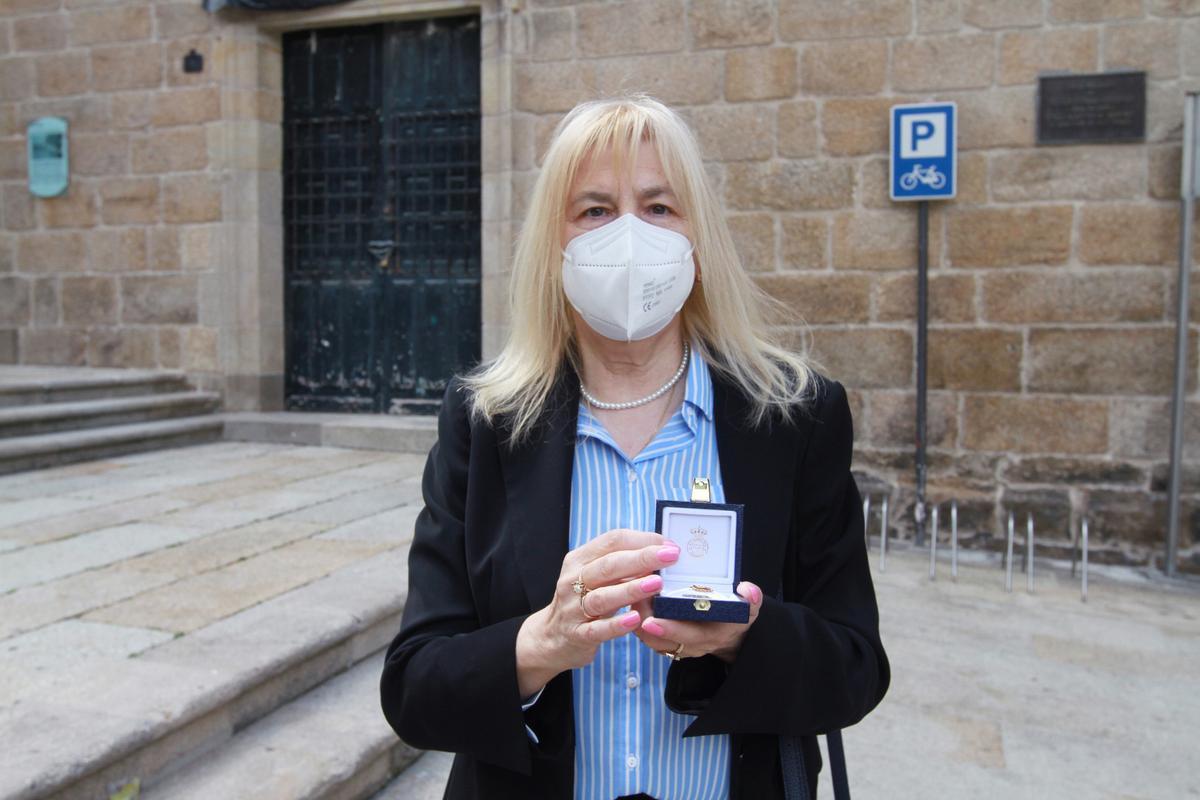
(701, 588)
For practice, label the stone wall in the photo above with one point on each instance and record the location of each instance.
(1051, 273)
(113, 272)
(1051, 336)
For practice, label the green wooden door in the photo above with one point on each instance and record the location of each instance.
(381, 213)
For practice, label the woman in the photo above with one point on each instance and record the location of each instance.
(638, 360)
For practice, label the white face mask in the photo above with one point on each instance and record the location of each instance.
(628, 279)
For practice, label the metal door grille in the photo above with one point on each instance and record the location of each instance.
(382, 212)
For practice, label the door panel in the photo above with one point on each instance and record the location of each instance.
(382, 212)
(431, 166)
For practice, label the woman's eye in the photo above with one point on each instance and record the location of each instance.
(659, 210)
(594, 212)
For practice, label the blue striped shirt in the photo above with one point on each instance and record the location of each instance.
(627, 740)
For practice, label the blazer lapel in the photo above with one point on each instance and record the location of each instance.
(758, 470)
(537, 481)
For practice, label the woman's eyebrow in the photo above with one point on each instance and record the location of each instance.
(655, 191)
(593, 196)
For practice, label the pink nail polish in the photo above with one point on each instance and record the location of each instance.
(651, 584)
(757, 592)
(668, 554)
(653, 628)
(631, 620)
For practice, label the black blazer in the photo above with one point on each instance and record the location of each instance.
(487, 552)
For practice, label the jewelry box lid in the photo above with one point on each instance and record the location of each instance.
(710, 538)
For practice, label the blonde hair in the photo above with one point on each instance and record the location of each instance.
(726, 315)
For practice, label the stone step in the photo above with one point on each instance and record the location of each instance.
(39, 418)
(20, 453)
(332, 742)
(397, 433)
(183, 705)
(32, 384)
(424, 779)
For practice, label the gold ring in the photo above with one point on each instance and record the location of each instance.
(578, 587)
(583, 608)
(676, 655)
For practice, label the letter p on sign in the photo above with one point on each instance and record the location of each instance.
(923, 136)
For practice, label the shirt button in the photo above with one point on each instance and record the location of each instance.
(632, 476)
(631, 761)
(631, 681)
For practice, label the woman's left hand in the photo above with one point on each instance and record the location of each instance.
(721, 639)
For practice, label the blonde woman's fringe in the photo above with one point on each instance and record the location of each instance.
(727, 314)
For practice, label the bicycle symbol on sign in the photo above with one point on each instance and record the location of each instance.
(926, 175)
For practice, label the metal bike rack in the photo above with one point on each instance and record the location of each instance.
(883, 531)
(933, 537)
(954, 540)
(1029, 553)
(1084, 537)
(1079, 551)
(1081, 546)
(1008, 556)
(883, 536)
(867, 521)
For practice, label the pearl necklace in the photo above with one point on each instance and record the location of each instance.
(666, 387)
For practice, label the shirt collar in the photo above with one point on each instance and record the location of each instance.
(698, 391)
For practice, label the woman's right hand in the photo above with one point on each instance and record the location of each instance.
(617, 568)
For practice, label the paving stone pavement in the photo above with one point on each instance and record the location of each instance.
(132, 586)
(174, 539)
(1031, 695)
(154, 567)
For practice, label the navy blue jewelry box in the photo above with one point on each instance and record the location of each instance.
(700, 586)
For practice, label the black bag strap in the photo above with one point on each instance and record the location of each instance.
(837, 765)
(791, 760)
(795, 776)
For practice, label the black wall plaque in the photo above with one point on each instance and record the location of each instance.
(1108, 107)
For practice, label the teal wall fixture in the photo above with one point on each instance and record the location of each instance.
(48, 172)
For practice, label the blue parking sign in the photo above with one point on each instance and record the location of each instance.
(924, 151)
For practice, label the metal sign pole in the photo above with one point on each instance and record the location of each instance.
(922, 362)
(922, 166)
(1191, 129)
